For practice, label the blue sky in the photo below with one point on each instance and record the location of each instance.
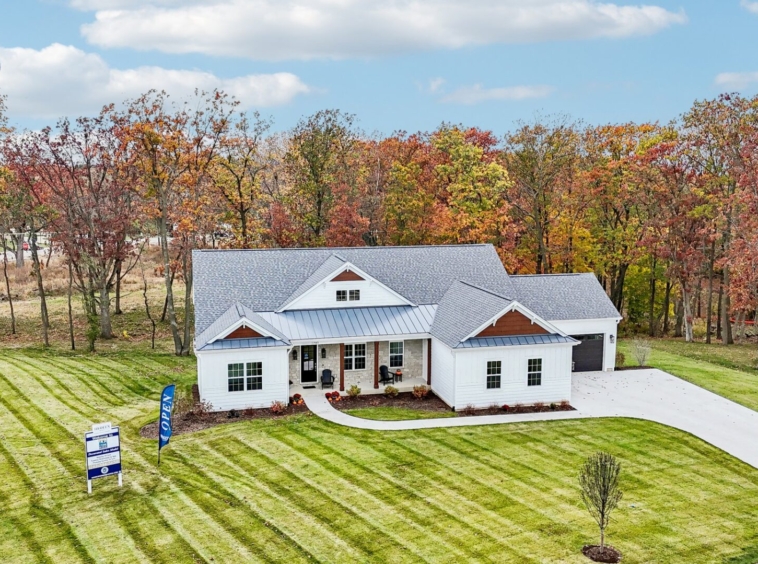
(396, 64)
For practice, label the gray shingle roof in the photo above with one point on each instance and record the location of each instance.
(263, 280)
(332, 263)
(463, 309)
(564, 296)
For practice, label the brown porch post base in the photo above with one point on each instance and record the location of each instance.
(429, 363)
(376, 365)
(342, 367)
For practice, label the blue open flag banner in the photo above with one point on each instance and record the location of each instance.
(164, 423)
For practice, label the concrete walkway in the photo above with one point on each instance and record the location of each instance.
(642, 394)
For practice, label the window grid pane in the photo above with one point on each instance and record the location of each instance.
(534, 372)
(341, 295)
(236, 376)
(254, 375)
(494, 367)
(355, 295)
(355, 357)
(493, 381)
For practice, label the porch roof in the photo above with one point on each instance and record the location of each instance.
(517, 341)
(224, 344)
(369, 322)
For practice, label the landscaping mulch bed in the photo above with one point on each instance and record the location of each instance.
(433, 403)
(191, 422)
(596, 554)
(405, 400)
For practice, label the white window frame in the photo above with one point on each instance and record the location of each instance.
(353, 356)
(248, 370)
(401, 354)
(229, 378)
(249, 375)
(337, 295)
(529, 371)
(487, 374)
(354, 292)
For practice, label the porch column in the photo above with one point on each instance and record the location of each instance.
(342, 367)
(376, 365)
(429, 362)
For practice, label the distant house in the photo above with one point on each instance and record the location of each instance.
(270, 321)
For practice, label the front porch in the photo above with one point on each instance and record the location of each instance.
(406, 385)
(358, 363)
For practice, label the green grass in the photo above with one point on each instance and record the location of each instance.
(397, 413)
(300, 489)
(728, 371)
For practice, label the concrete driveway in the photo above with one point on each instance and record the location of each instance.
(658, 396)
(642, 394)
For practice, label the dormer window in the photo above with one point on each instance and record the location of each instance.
(355, 295)
(341, 295)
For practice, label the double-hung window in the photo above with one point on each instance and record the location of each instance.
(494, 372)
(534, 372)
(244, 376)
(236, 377)
(254, 375)
(355, 295)
(355, 357)
(341, 295)
(396, 354)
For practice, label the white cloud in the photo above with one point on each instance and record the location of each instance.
(476, 94)
(308, 29)
(736, 80)
(63, 80)
(750, 6)
(435, 84)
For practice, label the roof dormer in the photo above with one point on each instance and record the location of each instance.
(338, 284)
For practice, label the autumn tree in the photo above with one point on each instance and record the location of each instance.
(473, 190)
(81, 170)
(541, 159)
(612, 182)
(236, 174)
(317, 160)
(174, 146)
(714, 131)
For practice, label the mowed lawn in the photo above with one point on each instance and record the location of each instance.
(303, 490)
(730, 371)
(382, 413)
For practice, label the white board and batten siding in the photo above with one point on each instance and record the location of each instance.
(324, 296)
(471, 376)
(212, 378)
(443, 372)
(608, 327)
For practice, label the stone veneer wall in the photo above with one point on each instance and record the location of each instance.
(413, 363)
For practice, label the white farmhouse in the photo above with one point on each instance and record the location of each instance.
(272, 322)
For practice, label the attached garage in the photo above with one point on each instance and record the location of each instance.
(587, 356)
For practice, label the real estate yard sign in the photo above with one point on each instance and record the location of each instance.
(102, 447)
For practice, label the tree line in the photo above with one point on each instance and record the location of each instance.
(666, 215)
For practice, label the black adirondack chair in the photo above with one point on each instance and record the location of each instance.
(384, 375)
(327, 379)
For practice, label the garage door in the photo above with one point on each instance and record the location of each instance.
(588, 354)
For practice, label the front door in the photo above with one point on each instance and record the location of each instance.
(308, 373)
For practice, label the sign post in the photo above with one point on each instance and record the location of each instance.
(164, 422)
(102, 448)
